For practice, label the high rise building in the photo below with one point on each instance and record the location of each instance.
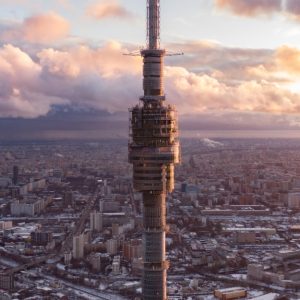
(68, 198)
(153, 151)
(95, 261)
(116, 264)
(112, 246)
(15, 178)
(67, 258)
(78, 246)
(132, 249)
(96, 221)
(7, 281)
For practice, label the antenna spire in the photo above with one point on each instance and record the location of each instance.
(153, 24)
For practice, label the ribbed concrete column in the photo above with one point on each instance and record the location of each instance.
(155, 265)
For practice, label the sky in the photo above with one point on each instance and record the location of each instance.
(62, 66)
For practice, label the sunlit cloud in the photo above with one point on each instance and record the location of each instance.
(21, 93)
(293, 9)
(205, 93)
(250, 8)
(99, 78)
(254, 8)
(288, 59)
(42, 29)
(108, 9)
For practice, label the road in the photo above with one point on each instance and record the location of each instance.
(92, 292)
(80, 225)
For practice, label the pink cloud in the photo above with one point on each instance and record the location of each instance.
(293, 9)
(288, 59)
(205, 93)
(253, 8)
(250, 7)
(107, 61)
(43, 29)
(108, 9)
(20, 93)
(102, 79)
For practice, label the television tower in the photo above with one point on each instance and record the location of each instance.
(153, 151)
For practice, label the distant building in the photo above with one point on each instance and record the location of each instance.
(33, 185)
(15, 178)
(230, 293)
(14, 191)
(78, 246)
(5, 182)
(137, 266)
(7, 281)
(284, 255)
(67, 258)
(256, 272)
(96, 221)
(116, 229)
(56, 177)
(68, 198)
(116, 265)
(5, 225)
(27, 207)
(244, 237)
(132, 249)
(112, 246)
(294, 200)
(109, 205)
(41, 238)
(95, 261)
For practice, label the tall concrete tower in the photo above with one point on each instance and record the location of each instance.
(153, 151)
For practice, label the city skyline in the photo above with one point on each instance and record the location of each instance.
(66, 56)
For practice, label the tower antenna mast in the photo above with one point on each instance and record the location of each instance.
(153, 151)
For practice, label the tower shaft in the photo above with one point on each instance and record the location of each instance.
(153, 151)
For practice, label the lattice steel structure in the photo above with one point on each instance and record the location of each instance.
(153, 151)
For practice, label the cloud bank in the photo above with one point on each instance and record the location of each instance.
(101, 78)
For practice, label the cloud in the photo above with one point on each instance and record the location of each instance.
(253, 8)
(288, 59)
(205, 93)
(107, 61)
(250, 8)
(92, 78)
(223, 62)
(20, 92)
(41, 29)
(293, 9)
(103, 79)
(108, 9)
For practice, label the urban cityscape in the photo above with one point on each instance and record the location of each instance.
(193, 193)
(71, 223)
